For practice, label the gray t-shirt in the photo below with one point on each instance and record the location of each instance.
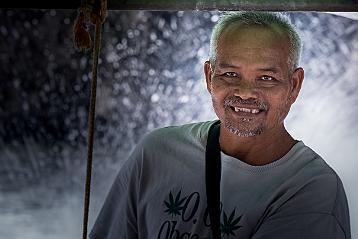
(160, 193)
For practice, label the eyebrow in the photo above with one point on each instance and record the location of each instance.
(226, 65)
(269, 69)
(272, 69)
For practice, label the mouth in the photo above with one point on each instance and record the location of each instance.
(246, 111)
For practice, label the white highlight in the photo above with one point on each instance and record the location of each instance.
(252, 111)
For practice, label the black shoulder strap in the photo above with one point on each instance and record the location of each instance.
(213, 178)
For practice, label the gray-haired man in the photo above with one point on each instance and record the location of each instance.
(272, 186)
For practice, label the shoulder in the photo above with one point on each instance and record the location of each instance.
(310, 164)
(330, 190)
(192, 133)
(318, 189)
(319, 176)
(167, 143)
(311, 189)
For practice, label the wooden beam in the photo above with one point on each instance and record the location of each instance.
(174, 5)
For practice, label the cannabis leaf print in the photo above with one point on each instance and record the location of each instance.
(174, 206)
(230, 225)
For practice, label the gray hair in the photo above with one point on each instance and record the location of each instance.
(262, 19)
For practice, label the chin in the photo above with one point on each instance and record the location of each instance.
(243, 131)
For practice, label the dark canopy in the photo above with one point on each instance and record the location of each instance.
(279, 5)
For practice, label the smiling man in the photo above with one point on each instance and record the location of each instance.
(272, 186)
(253, 79)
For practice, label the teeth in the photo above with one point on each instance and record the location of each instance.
(253, 111)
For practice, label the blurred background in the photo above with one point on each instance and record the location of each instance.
(150, 76)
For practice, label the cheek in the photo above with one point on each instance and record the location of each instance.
(218, 92)
(279, 101)
(218, 85)
(280, 107)
(217, 101)
(218, 98)
(279, 95)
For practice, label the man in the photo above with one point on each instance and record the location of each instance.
(272, 186)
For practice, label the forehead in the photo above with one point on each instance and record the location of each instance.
(258, 44)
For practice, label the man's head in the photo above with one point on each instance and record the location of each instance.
(252, 74)
(276, 20)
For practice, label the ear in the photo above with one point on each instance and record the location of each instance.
(207, 71)
(297, 79)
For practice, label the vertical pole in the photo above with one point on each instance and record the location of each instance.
(91, 123)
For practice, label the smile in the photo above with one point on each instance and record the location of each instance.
(246, 110)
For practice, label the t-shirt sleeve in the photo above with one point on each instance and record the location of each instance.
(118, 216)
(308, 226)
(310, 214)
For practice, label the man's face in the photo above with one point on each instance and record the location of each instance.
(251, 83)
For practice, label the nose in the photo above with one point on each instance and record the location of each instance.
(246, 90)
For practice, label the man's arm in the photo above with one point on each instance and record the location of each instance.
(117, 218)
(304, 226)
(314, 212)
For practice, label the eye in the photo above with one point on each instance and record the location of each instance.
(230, 74)
(267, 78)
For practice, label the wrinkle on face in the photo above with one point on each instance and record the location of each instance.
(250, 53)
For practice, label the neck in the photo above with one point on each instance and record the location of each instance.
(256, 150)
